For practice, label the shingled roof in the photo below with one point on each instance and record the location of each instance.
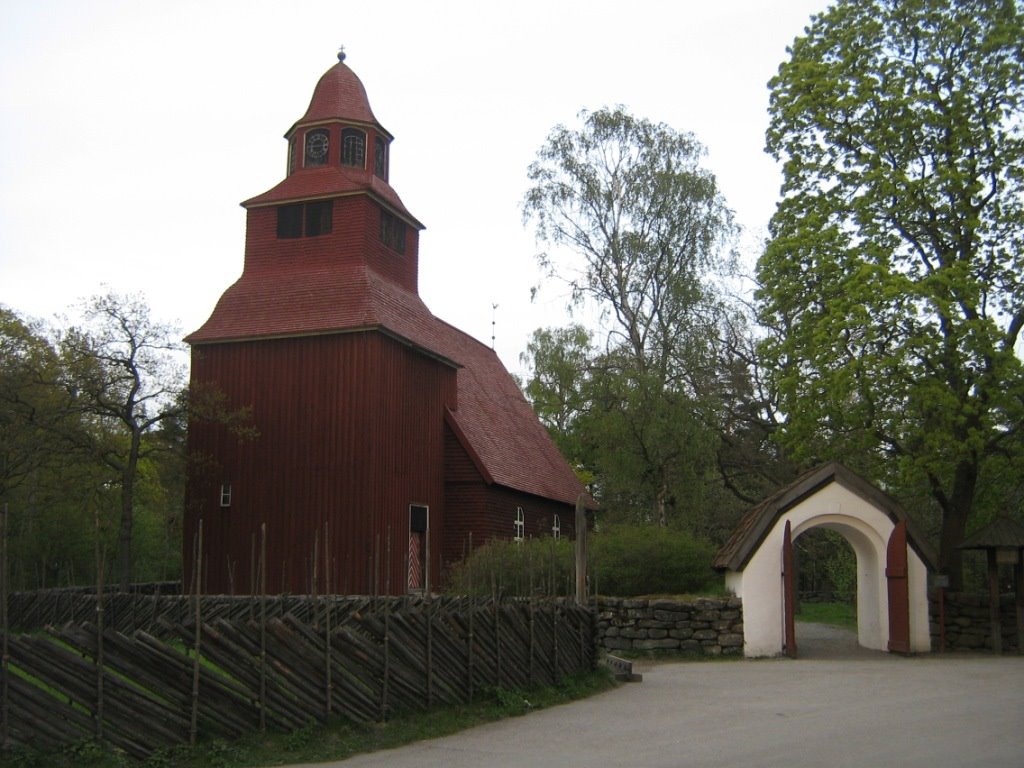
(754, 526)
(1001, 533)
(339, 93)
(495, 423)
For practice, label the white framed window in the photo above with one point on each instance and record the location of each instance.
(225, 495)
(556, 527)
(520, 524)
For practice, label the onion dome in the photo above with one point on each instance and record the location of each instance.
(339, 95)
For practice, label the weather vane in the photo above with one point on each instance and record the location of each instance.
(341, 53)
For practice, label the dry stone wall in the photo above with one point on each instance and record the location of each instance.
(703, 625)
(968, 626)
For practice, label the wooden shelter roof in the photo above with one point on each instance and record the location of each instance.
(754, 526)
(1001, 533)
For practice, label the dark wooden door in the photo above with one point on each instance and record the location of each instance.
(899, 592)
(788, 594)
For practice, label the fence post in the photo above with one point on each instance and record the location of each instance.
(4, 659)
(100, 564)
(533, 634)
(472, 610)
(316, 585)
(554, 641)
(497, 633)
(263, 628)
(387, 630)
(430, 652)
(328, 687)
(581, 551)
(194, 723)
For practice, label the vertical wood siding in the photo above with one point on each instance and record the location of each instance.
(351, 434)
(489, 510)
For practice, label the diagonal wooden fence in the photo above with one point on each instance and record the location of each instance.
(276, 664)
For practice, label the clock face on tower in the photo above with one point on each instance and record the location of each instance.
(317, 143)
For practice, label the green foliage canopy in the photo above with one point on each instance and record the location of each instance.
(640, 230)
(893, 283)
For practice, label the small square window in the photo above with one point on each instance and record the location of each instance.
(225, 495)
(318, 218)
(556, 527)
(520, 525)
(289, 221)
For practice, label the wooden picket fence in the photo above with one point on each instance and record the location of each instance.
(149, 681)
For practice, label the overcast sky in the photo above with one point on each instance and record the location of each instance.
(131, 131)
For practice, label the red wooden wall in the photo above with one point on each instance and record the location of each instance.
(350, 433)
(489, 510)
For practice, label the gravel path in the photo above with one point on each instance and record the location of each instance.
(821, 641)
(836, 706)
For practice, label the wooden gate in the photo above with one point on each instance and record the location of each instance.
(899, 592)
(788, 594)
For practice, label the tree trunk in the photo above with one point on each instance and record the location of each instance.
(659, 506)
(956, 510)
(124, 542)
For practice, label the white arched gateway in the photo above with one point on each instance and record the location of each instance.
(892, 562)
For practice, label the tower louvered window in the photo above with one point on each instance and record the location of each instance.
(304, 219)
(392, 231)
(353, 148)
(380, 157)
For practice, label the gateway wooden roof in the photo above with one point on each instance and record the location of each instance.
(754, 526)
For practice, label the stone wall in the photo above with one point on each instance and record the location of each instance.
(968, 626)
(709, 626)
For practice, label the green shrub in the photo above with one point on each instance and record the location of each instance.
(624, 561)
(516, 568)
(630, 560)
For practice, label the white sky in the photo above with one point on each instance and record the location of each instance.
(131, 129)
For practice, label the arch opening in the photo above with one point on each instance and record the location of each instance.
(825, 581)
(862, 580)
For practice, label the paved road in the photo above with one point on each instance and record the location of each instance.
(862, 709)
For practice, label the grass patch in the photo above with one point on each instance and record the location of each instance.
(342, 739)
(842, 615)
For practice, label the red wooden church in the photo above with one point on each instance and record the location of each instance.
(386, 436)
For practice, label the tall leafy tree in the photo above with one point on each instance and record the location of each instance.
(559, 360)
(25, 405)
(646, 225)
(640, 229)
(120, 373)
(894, 277)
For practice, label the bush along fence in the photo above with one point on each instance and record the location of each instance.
(245, 669)
(708, 626)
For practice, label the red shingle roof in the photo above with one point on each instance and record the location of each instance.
(332, 181)
(339, 94)
(493, 417)
(501, 428)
